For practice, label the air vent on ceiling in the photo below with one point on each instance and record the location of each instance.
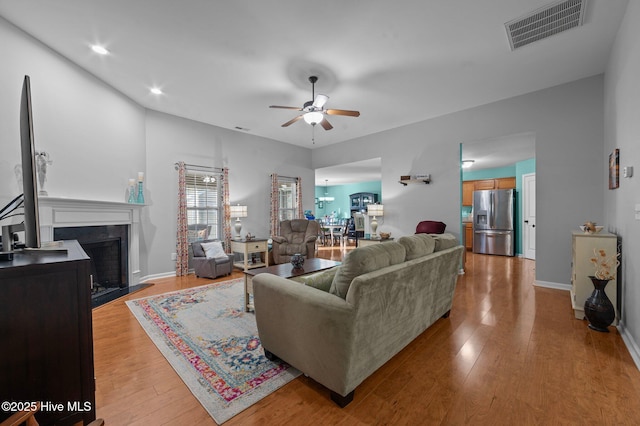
(545, 22)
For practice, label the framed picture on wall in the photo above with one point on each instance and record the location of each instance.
(614, 169)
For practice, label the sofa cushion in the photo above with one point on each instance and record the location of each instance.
(418, 245)
(198, 251)
(445, 241)
(363, 260)
(321, 280)
(214, 250)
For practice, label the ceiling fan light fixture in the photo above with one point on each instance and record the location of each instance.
(313, 117)
(320, 100)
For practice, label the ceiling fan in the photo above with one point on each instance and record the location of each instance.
(313, 111)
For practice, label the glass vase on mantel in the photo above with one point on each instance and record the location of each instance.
(132, 191)
(598, 308)
(140, 199)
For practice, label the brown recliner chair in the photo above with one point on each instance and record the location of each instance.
(296, 236)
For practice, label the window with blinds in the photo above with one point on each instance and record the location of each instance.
(287, 198)
(204, 201)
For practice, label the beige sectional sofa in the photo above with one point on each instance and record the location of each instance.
(341, 325)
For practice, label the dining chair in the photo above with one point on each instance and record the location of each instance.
(324, 233)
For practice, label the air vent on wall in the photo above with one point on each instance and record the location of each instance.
(545, 22)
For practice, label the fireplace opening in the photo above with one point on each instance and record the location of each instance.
(105, 264)
(107, 247)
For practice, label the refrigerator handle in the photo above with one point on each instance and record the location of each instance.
(493, 211)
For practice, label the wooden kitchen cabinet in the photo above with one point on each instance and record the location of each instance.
(484, 184)
(468, 236)
(467, 193)
(469, 186)
(506, 183)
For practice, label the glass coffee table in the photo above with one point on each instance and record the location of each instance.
(284, 270)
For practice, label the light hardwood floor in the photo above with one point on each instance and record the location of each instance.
(509, 354)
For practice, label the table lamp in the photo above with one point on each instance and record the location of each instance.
(375, 210)
(238, 211)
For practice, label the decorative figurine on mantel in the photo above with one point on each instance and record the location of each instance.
(42, 161)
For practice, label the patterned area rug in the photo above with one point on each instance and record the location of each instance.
(213, 345)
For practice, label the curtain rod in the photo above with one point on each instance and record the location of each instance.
(287, 177)
(196, 166)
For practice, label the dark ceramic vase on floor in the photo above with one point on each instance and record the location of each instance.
(598, 308)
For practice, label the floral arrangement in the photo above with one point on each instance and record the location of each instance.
(606, 266)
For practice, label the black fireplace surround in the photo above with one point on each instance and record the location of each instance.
(108, 248)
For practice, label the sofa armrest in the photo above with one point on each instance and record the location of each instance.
(311, 239)
(307, 328)
(279, 239)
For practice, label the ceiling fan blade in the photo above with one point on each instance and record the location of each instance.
(320, 101)
(285, 107)
(343, 112)
(325, 124)
(293, 120)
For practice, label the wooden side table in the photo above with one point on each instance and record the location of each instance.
(249, 247)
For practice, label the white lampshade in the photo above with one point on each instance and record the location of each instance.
(238, 211)
(375, 210)
(313, 117)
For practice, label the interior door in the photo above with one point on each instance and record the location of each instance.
(529, 215)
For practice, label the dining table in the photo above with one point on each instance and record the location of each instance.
(334, 230)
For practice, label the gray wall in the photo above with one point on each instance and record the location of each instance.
(99, 138)
(622, 130)
(250, 160)
(94, 134)
(568, 124)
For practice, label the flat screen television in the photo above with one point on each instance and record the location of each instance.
(29, 179)
(31, 223)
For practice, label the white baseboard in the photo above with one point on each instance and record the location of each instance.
(549, 284)
(630, 343)
(156, 276)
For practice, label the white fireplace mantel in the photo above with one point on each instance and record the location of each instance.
(65, 212)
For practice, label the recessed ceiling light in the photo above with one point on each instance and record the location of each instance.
(156, 91)
(99, 49)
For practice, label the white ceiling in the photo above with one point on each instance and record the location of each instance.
(400, 62)
(500, 152)
(343, 174)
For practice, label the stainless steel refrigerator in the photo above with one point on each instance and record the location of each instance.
(493, 221)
